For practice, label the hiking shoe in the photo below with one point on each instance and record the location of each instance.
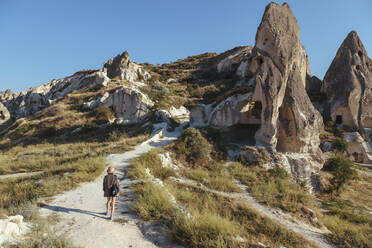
(112, 218)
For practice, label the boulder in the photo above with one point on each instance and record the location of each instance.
(348, 85)
(122, 68)
(129, 105)
(173, 116)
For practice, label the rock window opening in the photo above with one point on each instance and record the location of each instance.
(338, 119)
(360, 54)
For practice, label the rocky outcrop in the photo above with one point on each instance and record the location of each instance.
(4, 115)
(173, 116)
(122, 68)
(289, 121)
(289, 125)
(28, 102)
(348, 85)
(313, 84)
(129, 105)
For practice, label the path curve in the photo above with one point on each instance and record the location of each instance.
(82, 210)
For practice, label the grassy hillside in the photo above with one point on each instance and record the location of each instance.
(45, 143)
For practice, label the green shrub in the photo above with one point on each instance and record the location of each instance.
(340, 144)
(193, 145)
(341, 169)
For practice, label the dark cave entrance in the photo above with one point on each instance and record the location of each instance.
(240, 134)
(338, 119)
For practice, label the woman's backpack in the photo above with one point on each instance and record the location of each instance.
(114, 187)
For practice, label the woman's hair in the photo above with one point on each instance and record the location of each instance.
(111, 170)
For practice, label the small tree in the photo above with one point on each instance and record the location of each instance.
(340, 144)
(341, 170)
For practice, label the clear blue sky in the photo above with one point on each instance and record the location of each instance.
(43, 39)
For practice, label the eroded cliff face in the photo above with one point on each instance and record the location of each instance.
(348, 85)
(289, 122)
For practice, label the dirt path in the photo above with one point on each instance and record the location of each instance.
(82, 210)
(24, 174)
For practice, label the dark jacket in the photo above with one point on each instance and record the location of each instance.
(108, 181)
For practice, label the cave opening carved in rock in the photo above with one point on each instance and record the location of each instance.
(243, 132)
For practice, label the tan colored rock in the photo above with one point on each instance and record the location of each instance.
(348, 85)
(289, 121)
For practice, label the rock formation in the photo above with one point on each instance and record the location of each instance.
(129, 105)
(4, 114)
(289, 122)
(122, 68)
(348, 85)
(278, 100)
(273, 100)
(28, 102)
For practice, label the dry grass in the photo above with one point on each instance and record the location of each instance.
(275, 189)
(215, 176)
(216, 221)
(44, 142)
(348, 214)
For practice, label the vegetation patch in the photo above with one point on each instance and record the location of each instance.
(341, 169)
(274, 187)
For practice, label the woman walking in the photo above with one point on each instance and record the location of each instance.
(111, 190)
